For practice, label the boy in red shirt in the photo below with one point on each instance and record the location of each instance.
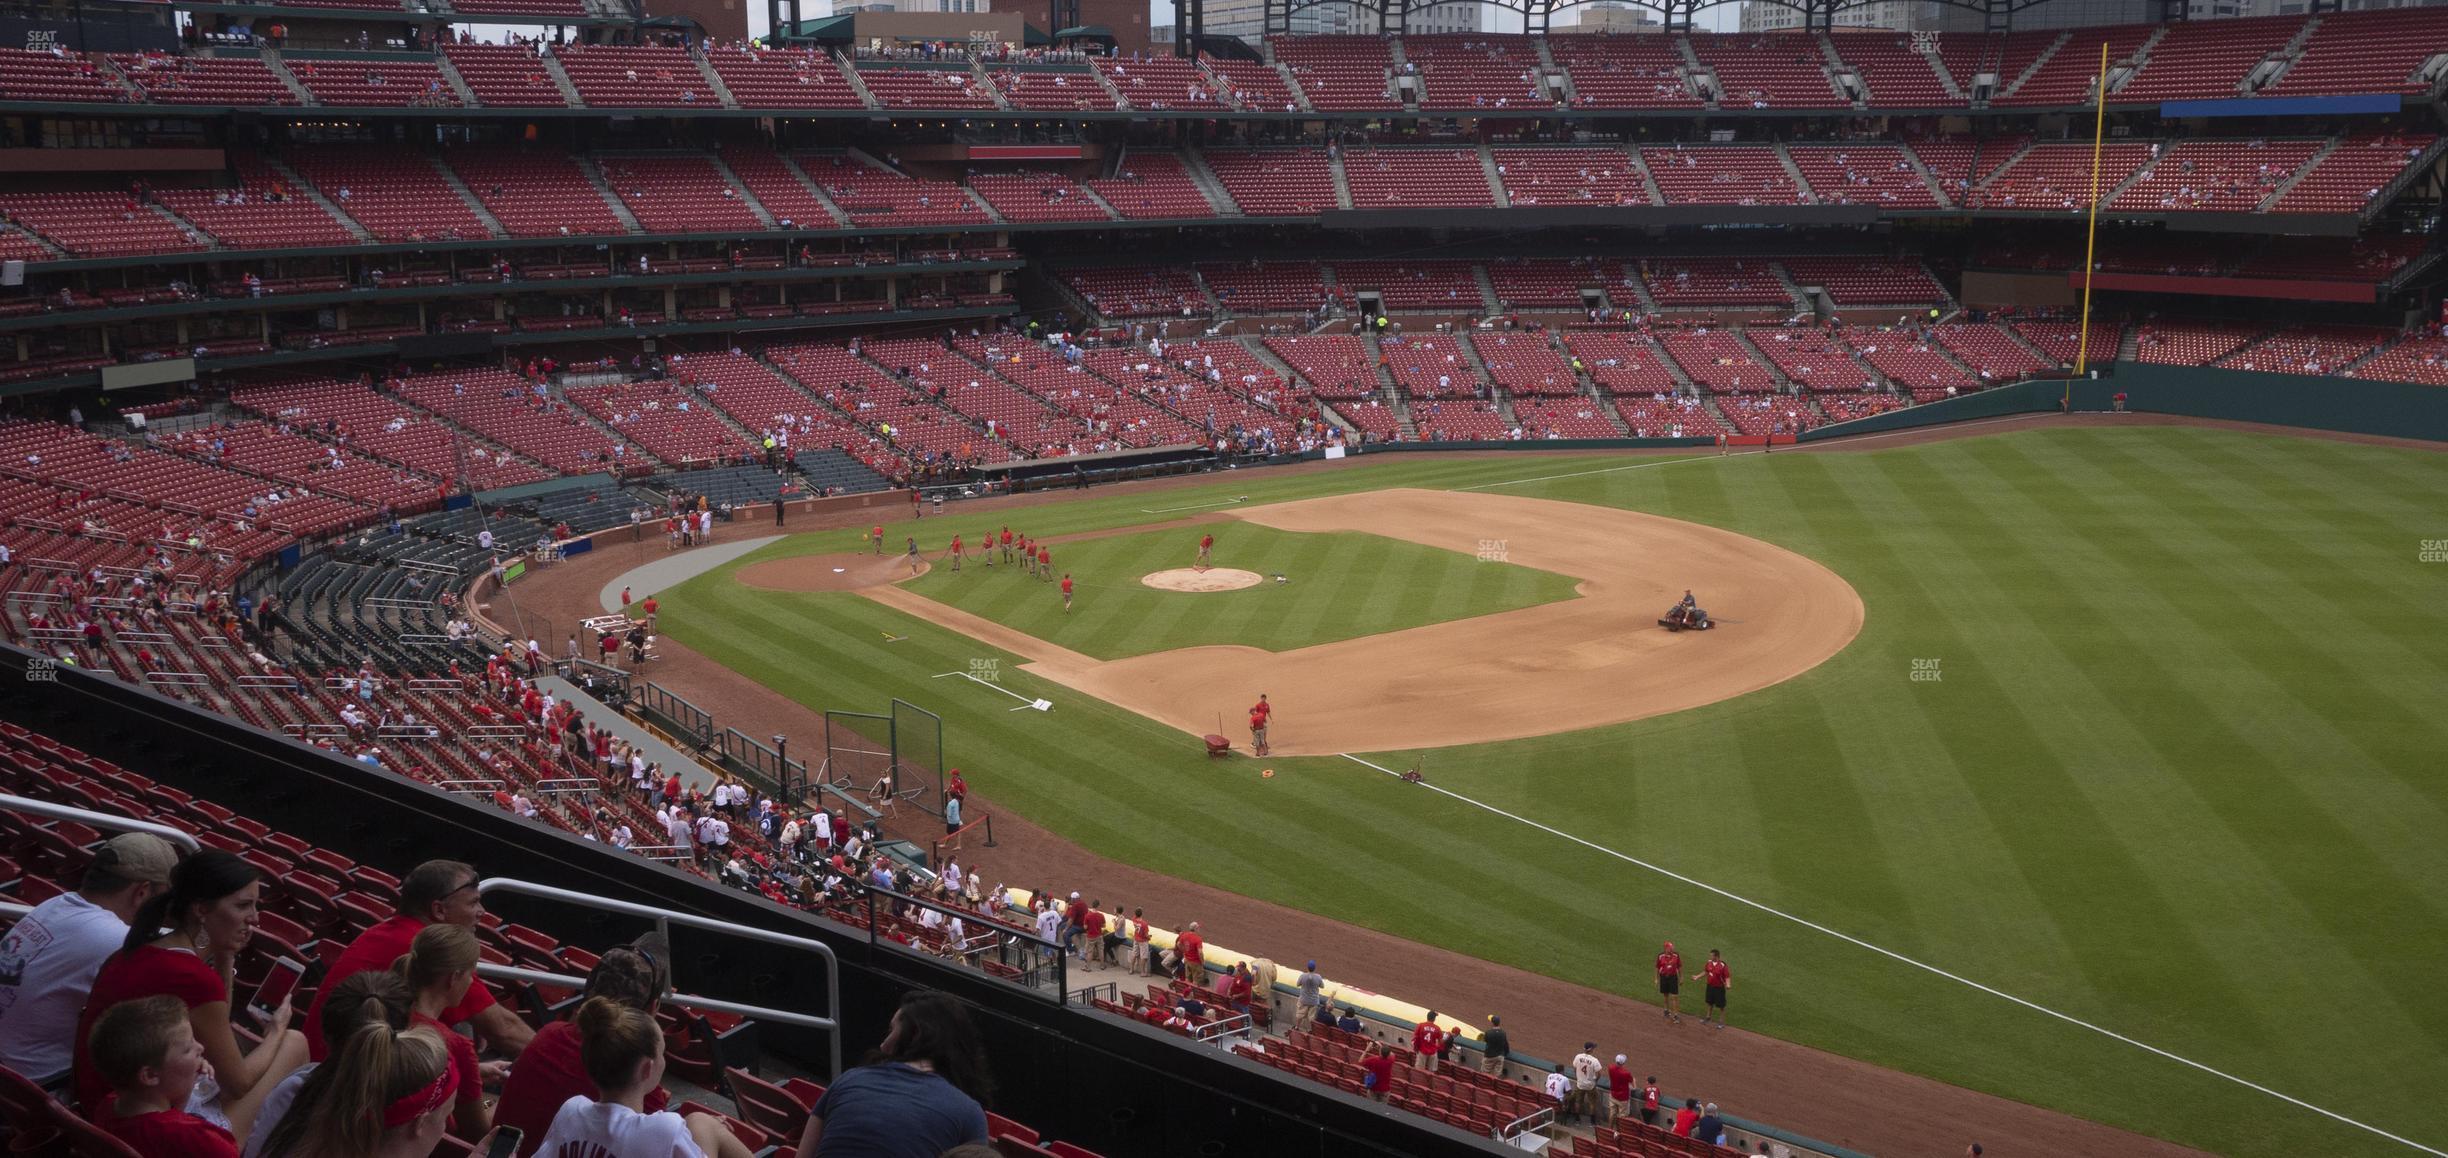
(1045, 563)
(1427, 1041)
(1261, 714)
(1377, 1071)
(956, 552)
(150, 1056)
(1007, 544)
(1066, 585)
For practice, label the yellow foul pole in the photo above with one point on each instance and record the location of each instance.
(2099, 134)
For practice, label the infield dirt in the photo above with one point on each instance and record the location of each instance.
(1556, 667)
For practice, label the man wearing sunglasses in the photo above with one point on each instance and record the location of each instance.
(438, 892)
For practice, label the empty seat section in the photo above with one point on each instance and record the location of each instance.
(1865, 174)
(1401, 178)
(1712, 281)
(241, 81)
(783, 79)
(379, 425)
(1269, 287)
(1990, 348)
(677, 193)
(1153, 185)
(1809, 358)
(2353, 173)
(924, 88)
(2187, 343)
(2366, 52)
(1159, 83)
(395, 195)
(384, 82)
(1773, 70)
(535, 192)
(1275, 182)
(1339, 72)
(248, 215)
(2420, 360)
(2224, 176)
(2066, 77)
(2206, 59)
(1139, 291)
(1716, 359)
(1623, 363)
(1897, 75)
(505, 75)
(2308, 349)
(40, 76)
(789, 199)
(1433, 285)
(673, 422)
(873, 195)
(2056, 175)
(1253, 85)
(1720, 175)
(1032, 195)
(636, 76)
(1624, 72)
(1859, 281)
(1477, 71)
(97, 224)
(1909, 362)
(1524, 364)
(1431, 366)
(1053, 90)
(1570, 176)
(1546, 282)
(505, 408)
(1575, 417)
(2372, 257)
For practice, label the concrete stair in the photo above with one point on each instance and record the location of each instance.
(763, 215)
(1293, 83)
(458, 84)
(561, 81)
(1795, 171)
(183, 223)
(1928, 178)
(714, 81)
(1106, 83)
(1776, 373)
(2007, 87)
(297, 88)
(468, 196)
(620, 209)
(1648, 179)
(816, 189)
(1342, 183)
(1495, 180)
(1208, 185)
(2035, 351)
(363, 236)
(850, 73)
(985, 83)
(2327, 147)
(1946, 79)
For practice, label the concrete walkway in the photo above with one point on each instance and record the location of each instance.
(602, 716)
(677, 567)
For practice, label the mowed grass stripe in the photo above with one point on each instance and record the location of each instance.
(2340, 878)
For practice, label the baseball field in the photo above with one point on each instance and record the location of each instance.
(2012, 755)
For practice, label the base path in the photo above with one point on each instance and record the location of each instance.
(1558, 667)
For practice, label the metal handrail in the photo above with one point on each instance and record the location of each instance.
(665, 918)
(490, 971)
(98, 819)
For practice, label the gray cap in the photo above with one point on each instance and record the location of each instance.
(137, 856)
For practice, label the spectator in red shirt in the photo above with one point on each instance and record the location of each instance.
(1619, 1088)
(1242, 987)
(438, 892)
(210, 912)
(1650, 1101)
(150, 1056)
(1193, 951)
(1377, 1071)
(1093, 927)
(1427, 1041)
(439, 967)
(650, 607)
(1686, 1118)
(1670, 981)
(551, 1070)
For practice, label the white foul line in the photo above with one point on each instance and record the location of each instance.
(1922, 965)
(1025, 702)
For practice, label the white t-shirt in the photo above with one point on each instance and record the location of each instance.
(586, 1128)
(47, 965)
(275, 1107)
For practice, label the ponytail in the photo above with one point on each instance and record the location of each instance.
(201, 879)
(341, 1111)
(438, 952)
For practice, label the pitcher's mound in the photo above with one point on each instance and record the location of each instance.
(1193, 579)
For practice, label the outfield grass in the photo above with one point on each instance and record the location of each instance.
(2180, 774)
(1343, 586)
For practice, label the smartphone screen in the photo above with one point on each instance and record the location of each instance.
(276, 988)
(506, 1141)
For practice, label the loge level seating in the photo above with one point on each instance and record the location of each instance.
(1774, 70)
(2352, 174)
(1160, 82)
(1438, 178)
(2221, 176)
(2056, 175)
(97, 224)
(782, 79)
(1255, 287)
(535, 193)
(1134, 291)
(1720, 175)
(1570, 176)
(775, 186)
(636, 76)
(1253, 85)
(1855, 281)
(398, 82)
(1448, 286)
(1866, 174)
(1153, 185)
(397, 196)
(40, 76)
(677, 193)
(1546, 283)
(240, 81)
(1031, 195)
(873, 195)
(1276, 182)
(1713, 281)
(293, 219)
(1339, 73)
(1624, 72)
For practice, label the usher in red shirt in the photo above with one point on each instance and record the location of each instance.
(1669, 964)
(1716, 972)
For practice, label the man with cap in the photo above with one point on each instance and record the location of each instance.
(1312, 992)
(1587, 1099)
(1619, 1090)
(1495, 1046)
(437, 892)
(49, 958)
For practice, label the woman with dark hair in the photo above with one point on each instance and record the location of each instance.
(185, 943)
(921, 1093)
